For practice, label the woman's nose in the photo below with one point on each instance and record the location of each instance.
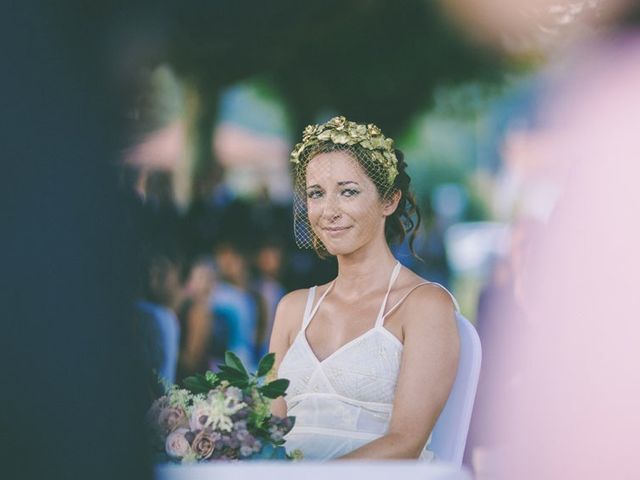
(331, 209)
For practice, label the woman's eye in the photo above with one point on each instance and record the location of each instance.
(314, 194)
(349, 192)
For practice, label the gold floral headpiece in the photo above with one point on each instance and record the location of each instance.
(340, 131)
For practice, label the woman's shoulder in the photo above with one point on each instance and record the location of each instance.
(428, 297)
(291, 307)
(294, 299)
(298, 298)
(288, 317)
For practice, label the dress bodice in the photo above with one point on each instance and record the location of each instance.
(345, 400)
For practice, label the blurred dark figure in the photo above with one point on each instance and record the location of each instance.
(212, 213)
(73, 394)
(304, 269)
(162, 214)
(235, 303)
(156, 323)
(197, 323)
(269, 219)
(268, 266)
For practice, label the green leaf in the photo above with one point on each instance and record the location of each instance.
(261, 432)
(232, 360)
(266, 364)
(227, 371)
(275, 389)
(241, 384)
(197, 384)
(233, 376)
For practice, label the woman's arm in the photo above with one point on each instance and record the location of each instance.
(288, 319)
(428, 369)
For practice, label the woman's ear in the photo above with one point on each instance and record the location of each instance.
(391, 204)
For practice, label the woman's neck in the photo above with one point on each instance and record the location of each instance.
(362, 272)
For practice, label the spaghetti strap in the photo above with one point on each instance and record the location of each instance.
(394, 275)
(453, 299)
(309, 313)
(307, 309)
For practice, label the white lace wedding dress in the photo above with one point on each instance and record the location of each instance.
(345, 400)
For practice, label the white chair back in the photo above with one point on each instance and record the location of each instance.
(449, 434)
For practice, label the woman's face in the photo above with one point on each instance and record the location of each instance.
(231, 264)
(344, 207)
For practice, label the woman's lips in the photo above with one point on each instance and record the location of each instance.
(334, 231)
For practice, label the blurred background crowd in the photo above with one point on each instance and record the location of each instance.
(175, 198)
(207, 169)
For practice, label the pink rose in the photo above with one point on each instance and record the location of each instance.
(172, 418)
(176, 445)
(204, 444)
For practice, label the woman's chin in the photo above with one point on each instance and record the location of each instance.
(337, 248)
(337, 251)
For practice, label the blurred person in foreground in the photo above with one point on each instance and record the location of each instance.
(580, 292)
(500, 319)
(372, 355)
(73, 393)
(575, 412)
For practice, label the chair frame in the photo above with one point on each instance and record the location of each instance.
(449, 435)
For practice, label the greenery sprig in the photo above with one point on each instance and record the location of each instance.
(235, 374)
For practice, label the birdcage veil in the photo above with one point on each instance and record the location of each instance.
(353, 151)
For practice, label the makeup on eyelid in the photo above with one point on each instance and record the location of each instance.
(312, 190)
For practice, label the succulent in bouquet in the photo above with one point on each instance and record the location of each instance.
(221, 416)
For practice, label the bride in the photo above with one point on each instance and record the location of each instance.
(372, 355)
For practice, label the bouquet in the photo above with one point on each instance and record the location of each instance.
(221, 416)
